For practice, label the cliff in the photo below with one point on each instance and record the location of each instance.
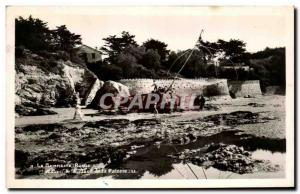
(43, 81)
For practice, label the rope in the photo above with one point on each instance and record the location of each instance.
(186, 163)
(186, 60)
(211, 55)
(177, 60)
(180, 69)
(193, 171)
(204, 172)
(207, 48)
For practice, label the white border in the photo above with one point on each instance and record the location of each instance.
(236, 183)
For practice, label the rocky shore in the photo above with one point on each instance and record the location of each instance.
(226, 158)
(112, 142)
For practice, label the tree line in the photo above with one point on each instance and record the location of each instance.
(35, 35)
(125, 58)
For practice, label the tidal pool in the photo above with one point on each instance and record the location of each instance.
(152, 162)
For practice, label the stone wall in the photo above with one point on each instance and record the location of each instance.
(205, 86)
(138, 86)
(249, 88)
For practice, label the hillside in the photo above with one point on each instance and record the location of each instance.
(47, 80)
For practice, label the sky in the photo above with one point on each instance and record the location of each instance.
(179, 27)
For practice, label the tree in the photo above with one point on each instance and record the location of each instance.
(209, 49)
(114, 45)
(269, 66)
(126, 62)
(151, 60)
(193, 60)
(170, 63)
(195, 65)
(33, 34)
(233, 49)
(158, 46)
(105, 71)
(65, 40)
(136, 51)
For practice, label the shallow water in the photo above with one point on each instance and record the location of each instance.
(183, 171)
(153, 162)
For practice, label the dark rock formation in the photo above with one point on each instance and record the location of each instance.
(45, 81)
(30, 111)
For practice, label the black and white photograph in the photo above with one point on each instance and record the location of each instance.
(150, 97)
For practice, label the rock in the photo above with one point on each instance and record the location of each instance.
(233, 118)
(46, 82)
(256, 104)
(54, 136)
(30, 111)
(211, 107)
(40, 88)
(227, 158)
(111, 87)
(181, 157)
(116, 88)
(90, 95)
(21, 157)
(23, 110)
(247, 153)
(191, 136)
(41, 111)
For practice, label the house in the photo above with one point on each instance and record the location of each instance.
(89, 54)
(236, 67)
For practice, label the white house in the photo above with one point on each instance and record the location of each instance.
(89, 54)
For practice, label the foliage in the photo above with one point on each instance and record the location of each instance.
(133, 60)
(151, 60)
(105, 71)
(64, 39)
(233, 49)
(159, 47)
(209, 49)
(35, 35)
(269, 66)
(115, 45)
(126, 63)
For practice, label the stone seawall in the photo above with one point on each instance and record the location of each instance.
(205, 86)
(138, 86)
(274, 90)
(249, 88)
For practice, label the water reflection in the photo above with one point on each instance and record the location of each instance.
(153, 161)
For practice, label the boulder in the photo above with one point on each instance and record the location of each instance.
(91, 92)
(115, 88)
(112, 87)
(83, 81)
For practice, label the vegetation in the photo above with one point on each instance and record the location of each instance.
(35, 35)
